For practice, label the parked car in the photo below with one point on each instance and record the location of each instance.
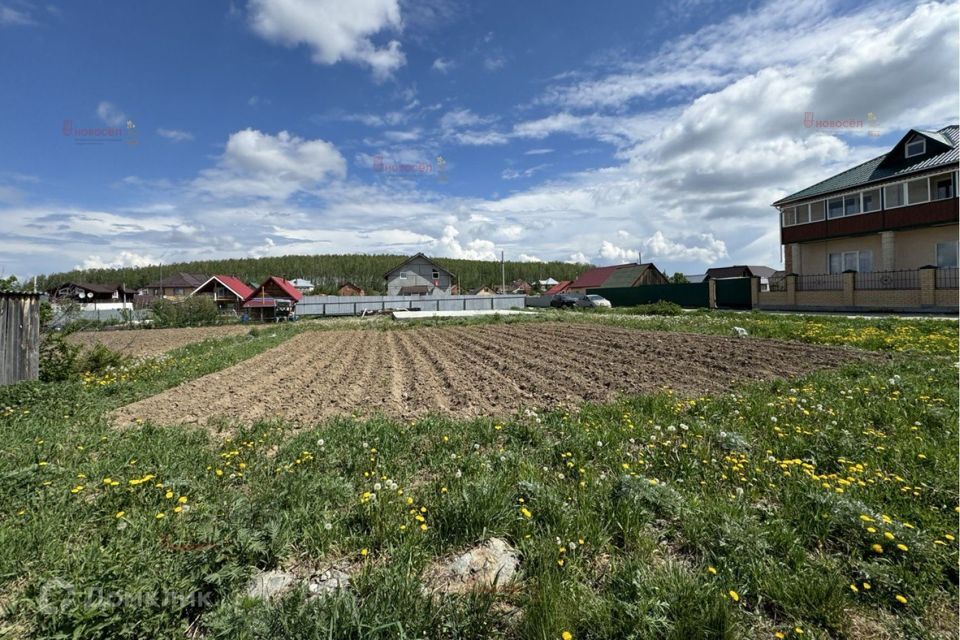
(596, 302)
(564, 300)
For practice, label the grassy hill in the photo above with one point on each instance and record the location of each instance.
(327, 271)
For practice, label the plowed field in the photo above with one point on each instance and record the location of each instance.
(151, 342)
(473, 370)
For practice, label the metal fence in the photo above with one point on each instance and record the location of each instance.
(820, 282)
(356, 305)
(947, 278)
(873, 280)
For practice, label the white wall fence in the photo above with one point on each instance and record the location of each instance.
(355, 305)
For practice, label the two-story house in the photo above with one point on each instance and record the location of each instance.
(897, 211)
(419, 276)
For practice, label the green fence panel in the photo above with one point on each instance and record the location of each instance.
(686, 295)
(733, 293)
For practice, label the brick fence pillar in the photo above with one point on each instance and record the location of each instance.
(928, 286)
(712, 293)
(754, 292)
(849, 288)
(791, 289)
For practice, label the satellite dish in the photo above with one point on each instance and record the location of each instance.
(89, 294)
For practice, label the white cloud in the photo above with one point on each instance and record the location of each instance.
(176, 135)
(494, 62)
(122, 260)
(537, 152)
(256, 164)
(513, 174)
(334, 31)
(402, 136)
(523, 257)
(443, 65)
(110, 114)
(659, 247)
(14, 17)
(449, 247)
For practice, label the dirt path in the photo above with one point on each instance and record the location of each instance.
(471, 371)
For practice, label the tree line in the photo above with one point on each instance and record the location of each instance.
(327, 272)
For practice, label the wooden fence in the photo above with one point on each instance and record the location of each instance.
(19, 337)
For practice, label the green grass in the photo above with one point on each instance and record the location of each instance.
(640, 518)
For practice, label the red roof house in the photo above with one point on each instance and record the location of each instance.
(560, 287)
(228, 292)
(275, 298)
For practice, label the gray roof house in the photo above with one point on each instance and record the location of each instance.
(419, 276)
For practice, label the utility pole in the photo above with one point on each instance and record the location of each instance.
(503, 275)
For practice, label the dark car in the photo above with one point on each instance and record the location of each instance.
(564, 300)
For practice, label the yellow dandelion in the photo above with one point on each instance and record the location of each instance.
(876, 548)
(566, 635)
(364, 552)
(901, 599)
(902, 547)
(120, 514)
(734, 595)
(161, 516)
(712, 570)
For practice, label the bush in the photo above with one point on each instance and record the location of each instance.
(58, 358)
(659, 308)
(194, 311)
(61, 361)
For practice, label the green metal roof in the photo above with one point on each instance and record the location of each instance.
(874, 170)
(625, 276)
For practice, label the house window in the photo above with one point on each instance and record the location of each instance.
(789, 217)
(893, 196)
(435, 274)
(816, 211)
(871, 200)
(835, 208)
(402, 276)
(918, 191)
(851, 205)
(850, 261)
(916, 147)
(803, 213)
(946, 255)
(943, 187)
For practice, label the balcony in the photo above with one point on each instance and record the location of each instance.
(928, 213)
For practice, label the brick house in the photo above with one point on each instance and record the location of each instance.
(895, 212)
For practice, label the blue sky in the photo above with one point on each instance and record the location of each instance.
(547, 130)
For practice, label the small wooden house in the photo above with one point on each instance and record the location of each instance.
(274, 299)
(619, 275)
(350, 289)
(228, 293)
